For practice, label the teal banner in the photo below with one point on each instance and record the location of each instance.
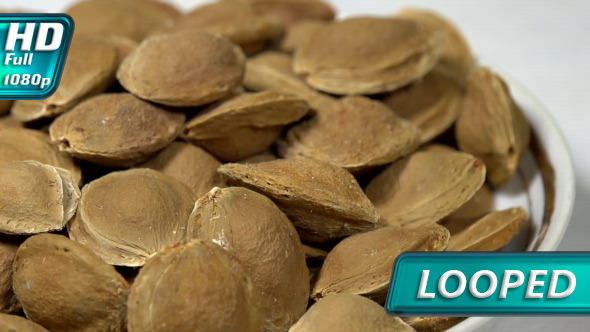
(490, 284)
(33, 53)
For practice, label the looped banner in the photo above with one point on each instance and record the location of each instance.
(490, 284)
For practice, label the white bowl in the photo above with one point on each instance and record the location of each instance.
(544, 184)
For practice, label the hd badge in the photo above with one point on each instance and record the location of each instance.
(34, 51)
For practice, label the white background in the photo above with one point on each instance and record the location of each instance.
(543, 44)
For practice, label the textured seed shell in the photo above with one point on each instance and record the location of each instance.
(78, 231)
(35, 197)
(127, 216)
(323, 201)
(235, 21)
(491, 126)
(5, 106)
(115, 129)
(9, 121)
(244, 125)
(63, 286)
(197, 287)
(362, 263)
(188, 164)
(298, 34)
(348, 313)
(8, 301)
(268, 108)
(367, 55)
(479, 205)
(90, 69)
(274, 59)
(425, 186)
(133, 19)
(71, 191)
(456, 58)
(490, 233)
(167, 7)
(314, 256)
(432, 104)
(24, 144)
(13, 323)
(259, 158)
(292, 11)
(373, 83)
(124, 45)
(432, 324)
(355, 133)
(253, 229)
(188, 68)
(348, 34)
(266, 73)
